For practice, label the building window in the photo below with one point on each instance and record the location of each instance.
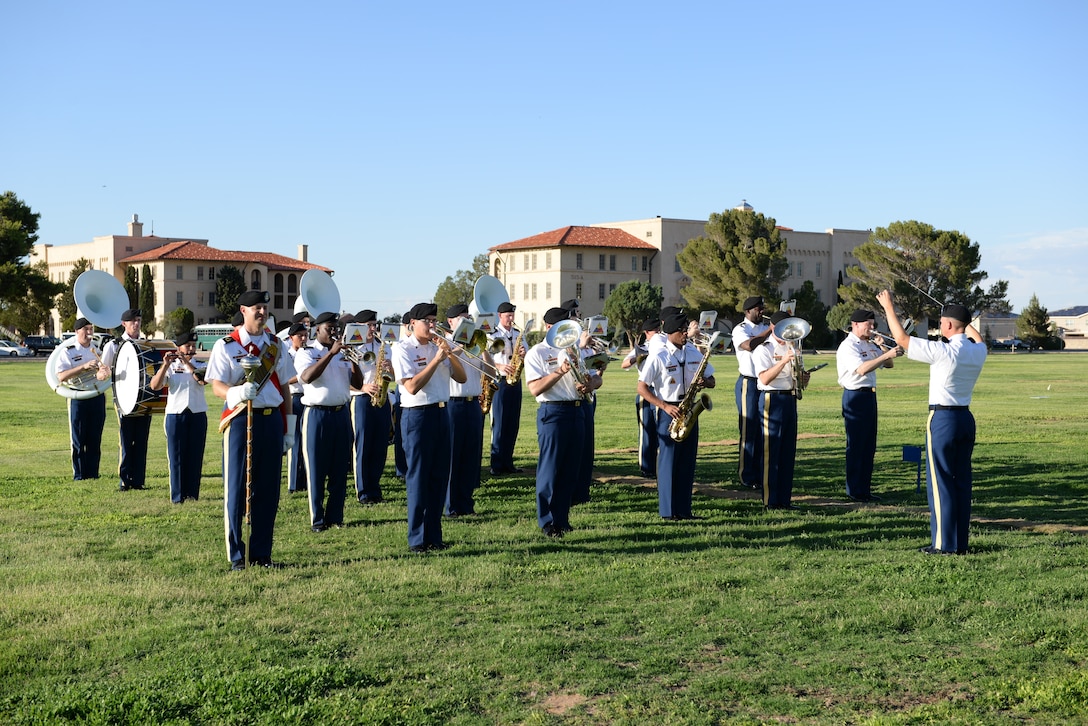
(511, 290)
(292, 285)
(534, 260)
(634, 263)
(255, 280)
(199, 272)
(534, 288)
(789, 270)
(612, 263)
(525, 291)
(525, 261)
(649, 233)
(600, 291)
(547, 291)
(578, 290)
(602, 262)
(277, 284)
(211, 299)
(645, 263)
(513, 263)
(819, 270)
(801, 269)
(180, 272)
(676, 264)
(611, 288)
(578, 261)
(277, 301)
(181, 298)
(547, 260)
(211, 273)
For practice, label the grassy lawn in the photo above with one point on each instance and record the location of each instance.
(119, 607)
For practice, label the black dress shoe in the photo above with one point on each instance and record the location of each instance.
(438, 547)
(418, 548)
(268, 563)
(648, 474)
(494, 472)
(318, 528)
(552, 531)
(515, 470)
(567, 528)
(237, 566)
(931, 550)
(749, 485)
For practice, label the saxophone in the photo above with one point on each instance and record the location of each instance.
(487, 388)
(517, 361)
(693, 403)
(384, 379)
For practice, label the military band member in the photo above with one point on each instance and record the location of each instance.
(645, 412)
(400, 461)
(773, 364)
(297, 335)
(371, 423)
(748, 335)
(466, 431)
(506, 403)
(272, 429)
(186, 419)
(560, 428)
(327, 377)
(135, 427)
(424, 364)
(87, 416)
(857, 360)
(663, 382)
(954, 368)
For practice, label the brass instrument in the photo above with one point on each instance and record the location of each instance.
(517, 358)
(488, 386)
(565, 334)
(384, 377)
(793, 331)
(694, 401)
(474, 351)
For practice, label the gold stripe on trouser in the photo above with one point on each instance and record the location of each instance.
(766, 431)
(306, 460)
(226, 489)
(743, 427)
(934, 492)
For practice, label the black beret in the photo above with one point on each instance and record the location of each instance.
(295, 329)
(238, 319)
(670, 310)
(347, 318)
(185, 338)
(651, 325)
(755, 301)
(505, 307)
(406, 318)
(555, 315)
(325, 318)
(570, 304)
(674, 323)
(779, 317)
(957, 312)
(860, 316)
(252, 297)
(299, 317)
(81, 323)
(420, 311)
(130, 315)
(366, 316)
(457, 311)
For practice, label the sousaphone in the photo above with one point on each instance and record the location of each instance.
(101, 299)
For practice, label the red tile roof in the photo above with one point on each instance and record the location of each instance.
(578, 237)
(203, 253)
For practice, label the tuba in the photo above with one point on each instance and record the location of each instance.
(694, 401)
(101, 299)
(793, 331)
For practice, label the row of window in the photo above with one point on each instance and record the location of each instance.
(604, 262)
(528, 290)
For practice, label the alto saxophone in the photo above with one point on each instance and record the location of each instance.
(517, 361)
(384, 379)
(488, 387)
(693, 403)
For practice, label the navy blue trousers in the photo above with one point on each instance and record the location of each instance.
(675, 469)
(326, 448)
(466, 454)
(950, 444)
(400, 461)
(266, 471)
(778, 412)
(585, 466)
(427, 450)
(505, 421)
(859, 414)
(86, 420)
(296, 467)
(186, 433)
(750, 450)
(560, 433)
(646, 415)
(371, 424)
(132, 467)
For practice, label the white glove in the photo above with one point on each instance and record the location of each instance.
(289, 435)
(239, 394)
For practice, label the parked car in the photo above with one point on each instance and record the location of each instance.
(41, 344)
(1011, 344)
(11, 348)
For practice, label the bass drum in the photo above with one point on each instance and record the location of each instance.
(81, 393)
(136, 364)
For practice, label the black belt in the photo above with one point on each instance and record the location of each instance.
(790, 391)
(265, 411)
(296, 395)
(861, 390)
(562, 403)
(441, 404)
(750, 378)
(939, 407)
(466, 399)
(327, 408)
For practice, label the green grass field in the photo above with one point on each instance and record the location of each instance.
(119, 607)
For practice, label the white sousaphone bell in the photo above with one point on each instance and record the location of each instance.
(102, 299)
(317, 293)
(487, 294)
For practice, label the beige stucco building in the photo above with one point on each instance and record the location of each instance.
(588, 262)
(183, 270)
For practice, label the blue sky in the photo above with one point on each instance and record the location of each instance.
(399, 140)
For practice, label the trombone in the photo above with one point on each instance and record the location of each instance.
(476, 349)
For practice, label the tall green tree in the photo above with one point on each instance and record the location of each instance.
(457, 288)
(924, 267)
(132, 287)
(147, 299)
(741, 254)
(630, 304)
(66, 302)
(177, 321)
(1034, 326)
(26, 292)
(229, 286)
(811, 309)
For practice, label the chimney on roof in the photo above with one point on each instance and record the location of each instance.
(135, 227)
(304, 253)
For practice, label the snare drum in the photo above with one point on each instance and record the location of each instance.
(136, 364)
